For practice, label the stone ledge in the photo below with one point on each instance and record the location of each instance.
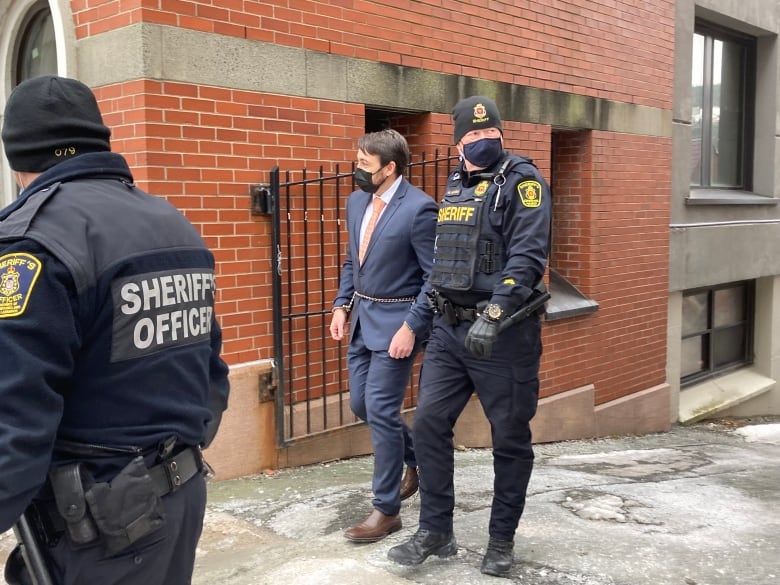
(246, 441)
(573, 414)
(712, 397)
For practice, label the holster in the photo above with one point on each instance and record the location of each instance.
(431, 296)
(115, 513)
(125, 509)
(442, 306)
(68, 487)
(119, 512)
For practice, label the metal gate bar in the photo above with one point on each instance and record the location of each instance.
(307, 240)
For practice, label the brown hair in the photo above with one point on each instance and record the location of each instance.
(388, 145)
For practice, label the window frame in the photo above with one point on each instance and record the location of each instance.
(15, 32)
(37, 11)
(711, 330)
(711, 33)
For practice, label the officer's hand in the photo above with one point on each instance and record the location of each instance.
(480, 338)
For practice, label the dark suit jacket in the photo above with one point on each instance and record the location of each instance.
(397, 264)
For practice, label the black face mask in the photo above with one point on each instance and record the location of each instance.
(365, 180)
(484, 152)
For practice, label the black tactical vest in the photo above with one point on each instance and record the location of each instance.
(469, 253)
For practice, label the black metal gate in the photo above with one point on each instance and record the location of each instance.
(308, 241)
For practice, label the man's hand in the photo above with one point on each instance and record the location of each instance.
(480, 338)
(338, 324)
(402, 344)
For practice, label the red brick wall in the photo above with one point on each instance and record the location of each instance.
(613, 49)
(201, 147)
(610, 239)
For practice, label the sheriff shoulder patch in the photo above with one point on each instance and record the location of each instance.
(530, 193)
(18, 274)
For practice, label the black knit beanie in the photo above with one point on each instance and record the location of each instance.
(474, 113)
(49, 119)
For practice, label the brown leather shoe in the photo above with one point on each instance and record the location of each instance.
(375, 527)
(410, 483)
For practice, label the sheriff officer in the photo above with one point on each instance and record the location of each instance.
(112, 376)
(491, 252)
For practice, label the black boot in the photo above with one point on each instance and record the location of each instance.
(423, 544)
(498, 558)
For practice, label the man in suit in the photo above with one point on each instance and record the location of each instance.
(383, 289)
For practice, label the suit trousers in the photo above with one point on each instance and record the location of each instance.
(377, 385)
(507, 385)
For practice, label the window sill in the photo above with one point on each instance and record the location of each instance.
(566, 300)
(727, 197)
(706, 399)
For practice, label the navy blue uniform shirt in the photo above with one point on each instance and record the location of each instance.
(107, 327)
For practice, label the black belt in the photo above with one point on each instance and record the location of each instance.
(452, 312)
(167, 477)
(465, 313)
(175, 471)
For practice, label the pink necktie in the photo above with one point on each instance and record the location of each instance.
(377, 205)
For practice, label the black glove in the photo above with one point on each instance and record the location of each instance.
(480, 338)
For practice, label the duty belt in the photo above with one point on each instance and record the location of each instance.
(452, 312)
(465, 313)
(174, 472)
(167, 477)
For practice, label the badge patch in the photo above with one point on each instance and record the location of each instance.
(480, 113)
(530, 193)
(481, 189)
(18, 273)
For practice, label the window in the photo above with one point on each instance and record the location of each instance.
(28, 41)
(37, 53)
(717, 330)
(723, 102)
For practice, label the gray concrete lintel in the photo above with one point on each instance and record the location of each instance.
(165, 53)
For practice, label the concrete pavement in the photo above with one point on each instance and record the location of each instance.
(695, 506)
(698, 505)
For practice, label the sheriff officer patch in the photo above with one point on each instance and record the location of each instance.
(530, 193)
(18, 273)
